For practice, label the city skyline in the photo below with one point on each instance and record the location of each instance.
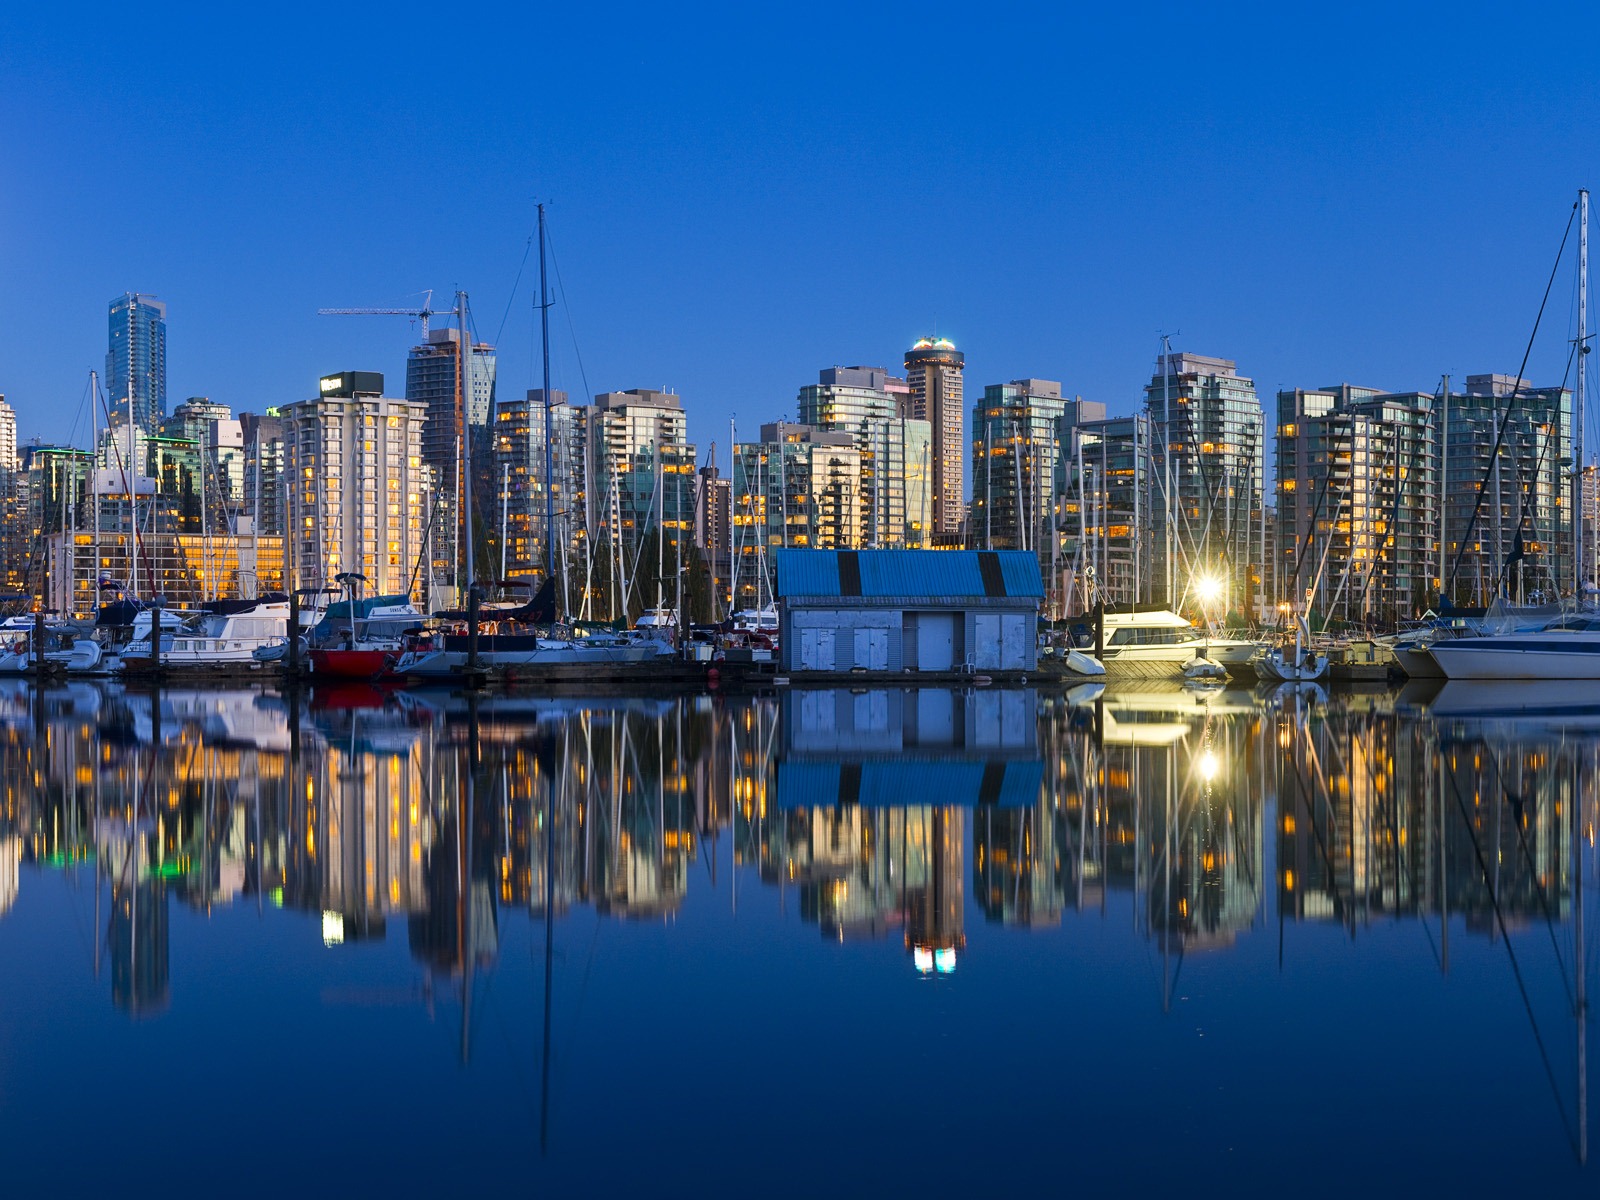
(1346, 218)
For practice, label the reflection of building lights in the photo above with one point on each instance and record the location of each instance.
(332, 929)
(944, 961)
(1208, 766)
(922, 959)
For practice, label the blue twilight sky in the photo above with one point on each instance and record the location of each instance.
(743, 194)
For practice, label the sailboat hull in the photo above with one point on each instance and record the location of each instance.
(1549, 654)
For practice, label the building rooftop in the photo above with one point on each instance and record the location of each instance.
(1004, 574)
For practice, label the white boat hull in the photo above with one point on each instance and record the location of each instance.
(1549, 654)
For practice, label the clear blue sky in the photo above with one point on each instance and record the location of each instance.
(742, 195)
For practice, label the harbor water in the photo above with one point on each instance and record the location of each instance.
(825, 942)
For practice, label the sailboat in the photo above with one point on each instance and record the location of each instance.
(1567, 647)
(1303, 664)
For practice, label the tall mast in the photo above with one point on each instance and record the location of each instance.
(1444, 491)
(1166, 456)
(1578, 399)
(549, 419)
(94, 489)
(464, 498)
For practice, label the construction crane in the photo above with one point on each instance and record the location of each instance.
(420, 314)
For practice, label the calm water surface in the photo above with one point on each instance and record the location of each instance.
(985, 943)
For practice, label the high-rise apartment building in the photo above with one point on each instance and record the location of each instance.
(8, 437)
(136, 360)
(1357, 502)
(798, 486)
(221, 436)
(713, 505)
(431, 380)
(266, 497)
(519, 471)
(1526, 492)
(933, 371)
(896, 450)
(1210, 444)
(639, 474)
(1016, 452)
(357, 484)
(1102, 511)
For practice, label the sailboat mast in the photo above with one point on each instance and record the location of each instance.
(94, 481)
(1166, 456)
(1578, 399)
(464, 499)
(549, 418)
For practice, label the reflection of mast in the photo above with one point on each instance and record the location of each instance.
(1581, 1007)
(549, 942)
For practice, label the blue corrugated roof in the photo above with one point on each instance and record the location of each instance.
(807, 573)
(908, 572)
(896, 783)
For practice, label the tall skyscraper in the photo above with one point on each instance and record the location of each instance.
(136, 360)
(933, 369)
(1209, 428)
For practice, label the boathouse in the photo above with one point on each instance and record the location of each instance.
(917, 611)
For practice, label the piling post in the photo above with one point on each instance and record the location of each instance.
(38, 643)
(156, 605)
(294, 635)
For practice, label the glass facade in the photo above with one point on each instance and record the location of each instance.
(136, 361)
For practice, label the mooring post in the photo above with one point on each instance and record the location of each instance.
(38, 643)
(294, 634)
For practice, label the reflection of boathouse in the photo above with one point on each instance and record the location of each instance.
(873, 788)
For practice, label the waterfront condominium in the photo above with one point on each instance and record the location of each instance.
(1102, 509)
(357, 484)
(1210, 460)
(1015, 464)
(1357, 502)
(933, 371)
(522, 507)
(1526, 492)
(798, 486)
(136, 361)
(896, 450)
(639, 475)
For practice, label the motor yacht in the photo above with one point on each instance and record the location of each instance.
(223, 635)
(1156, 645)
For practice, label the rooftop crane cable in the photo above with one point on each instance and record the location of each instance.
(1477, 504)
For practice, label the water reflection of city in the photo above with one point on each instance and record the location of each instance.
(870, 807)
